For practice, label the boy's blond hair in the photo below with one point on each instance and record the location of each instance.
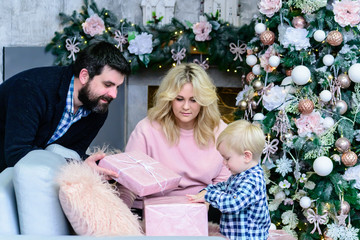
(242, 135)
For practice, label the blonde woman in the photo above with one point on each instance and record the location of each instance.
(180, 131)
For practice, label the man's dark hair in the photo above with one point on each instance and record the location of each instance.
(99, 54)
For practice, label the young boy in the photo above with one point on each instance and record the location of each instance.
(242, 198)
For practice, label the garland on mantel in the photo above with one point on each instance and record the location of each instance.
(210, 41)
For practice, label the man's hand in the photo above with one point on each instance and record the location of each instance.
(91, 161)
(198, 198)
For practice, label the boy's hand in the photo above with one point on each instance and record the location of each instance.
(198, 198)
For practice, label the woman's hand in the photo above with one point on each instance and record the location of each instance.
(91, 161)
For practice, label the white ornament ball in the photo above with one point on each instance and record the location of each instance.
(251, 60)
(305, 202)
(328, 60)
(323, 166)
(325, 95)
(354, 72)
(259, 28)
(274, 61)
(328, 122)
(300, 75)
(272, 226)
(256, 69)
(319, 35)
(258, 117)
(280, 195)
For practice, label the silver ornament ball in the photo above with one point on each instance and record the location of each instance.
(340, 106)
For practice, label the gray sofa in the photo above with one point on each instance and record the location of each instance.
(29, 203)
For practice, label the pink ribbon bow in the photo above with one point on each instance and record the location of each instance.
(264, 90)
(178, 56)
(316, 220)
(72, 47)
(121, 39)
(203, 64)
(270, 148)
(237, 50)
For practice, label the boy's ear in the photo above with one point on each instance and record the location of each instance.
(248, 156)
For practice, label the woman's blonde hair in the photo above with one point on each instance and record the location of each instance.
(242, 135)
(204, 94)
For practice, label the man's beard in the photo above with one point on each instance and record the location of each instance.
(92, 102)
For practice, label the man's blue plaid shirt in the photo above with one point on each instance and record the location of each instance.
(68, 117)
(243, 203)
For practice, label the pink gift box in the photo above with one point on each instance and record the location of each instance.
(279, 235)
(141, 173)
(175, 216)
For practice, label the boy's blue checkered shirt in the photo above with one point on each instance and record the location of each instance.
(243, 203)
(68, 117)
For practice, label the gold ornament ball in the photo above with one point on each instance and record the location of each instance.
(299, 22)
(344, 207)
(340, 106)
(242, 105)
(306, 106)
(327, 237)
(288, 72)
(253, 104)
(249, 77)
(257, 85)
(349, 158)
(267, 37)
(344, 80)
(342, 144)
(334, 38)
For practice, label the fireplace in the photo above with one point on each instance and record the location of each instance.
(142, 86)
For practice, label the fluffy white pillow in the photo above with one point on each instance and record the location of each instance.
(92, 205)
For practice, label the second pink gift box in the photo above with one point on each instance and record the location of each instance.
(175, 216)
(140, 173)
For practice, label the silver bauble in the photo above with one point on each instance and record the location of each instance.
(340, 107)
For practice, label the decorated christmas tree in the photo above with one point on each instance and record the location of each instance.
(303, 88)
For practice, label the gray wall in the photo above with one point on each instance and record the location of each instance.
(32, 23)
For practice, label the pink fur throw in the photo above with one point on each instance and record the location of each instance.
(92, 205)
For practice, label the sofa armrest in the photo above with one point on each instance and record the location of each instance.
(38, 204)
(8, 211)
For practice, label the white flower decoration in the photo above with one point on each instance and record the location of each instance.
(242, 94)
(284, 184)
(353, 173)
(275, 98)
(142, 44)
(303, 178)
(294, 36)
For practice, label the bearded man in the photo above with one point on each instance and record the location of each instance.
(64, 105)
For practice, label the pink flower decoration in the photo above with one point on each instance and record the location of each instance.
(264, 59)
(347, 12)
(310, 123)
(93, 25)
(269, 7)
(202, 30)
